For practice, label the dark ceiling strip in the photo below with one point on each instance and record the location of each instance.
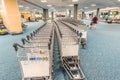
(33, 4)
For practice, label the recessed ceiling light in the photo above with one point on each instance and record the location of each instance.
(35, 9)
(71, 5)
(75, 0)
(20, 6)
(27, 7)
(43, 1)
(118, 0)
(81, 10)
(86, 7)
(93, 4)
(49, 5)
(52, 8)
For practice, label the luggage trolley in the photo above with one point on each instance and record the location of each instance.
(35, 58)
(69, 52)
(79, 29)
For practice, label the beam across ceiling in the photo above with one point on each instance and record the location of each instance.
(33, 4)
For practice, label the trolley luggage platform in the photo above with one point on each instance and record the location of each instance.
(69, 51)
(35, 56)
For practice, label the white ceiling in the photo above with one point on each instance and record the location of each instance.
(62, 5)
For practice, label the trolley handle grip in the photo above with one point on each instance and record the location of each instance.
(31, 34)
(24, 40)
(49, 47)
(81, 34)
(15, 45)
(34, 33)
(28, 37)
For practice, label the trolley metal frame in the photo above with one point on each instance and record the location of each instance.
(69, 59)
(30, 60)
(79, 28)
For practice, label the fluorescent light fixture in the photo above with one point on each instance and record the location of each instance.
(93, 4)
(71, 5)
(49, 5)
(43, 1)
(20, 6)
(75, 0)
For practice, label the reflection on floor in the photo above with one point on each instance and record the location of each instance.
(99, 61)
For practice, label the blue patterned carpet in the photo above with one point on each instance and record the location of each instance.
(9, 69)
(101, 58)
(99, 61)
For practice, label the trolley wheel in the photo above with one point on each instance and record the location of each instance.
(83, 45)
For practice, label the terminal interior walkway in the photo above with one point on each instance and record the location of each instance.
(99, 61)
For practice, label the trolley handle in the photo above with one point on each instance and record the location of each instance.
(81, 34)
(31, 34)
(58, 29)
(28, 37)
(24, 40)
(34, 33)
(49, 47)
(15, 45)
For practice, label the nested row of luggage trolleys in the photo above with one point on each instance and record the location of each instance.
(69, 45)
(35, 55)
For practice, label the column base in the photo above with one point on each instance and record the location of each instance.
(16, 33)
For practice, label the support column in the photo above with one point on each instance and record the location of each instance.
(52, 13)
(70, 13)
(45, 14)
(33, 15)
(11, 16)
(75, 11)
(109, 13)
(98, 10)
(82, 15)
(92, 14)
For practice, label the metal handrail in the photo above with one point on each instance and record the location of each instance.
(16, 45)
(24, 40)
(58, 28)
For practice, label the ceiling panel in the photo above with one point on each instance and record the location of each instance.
(64, 4)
